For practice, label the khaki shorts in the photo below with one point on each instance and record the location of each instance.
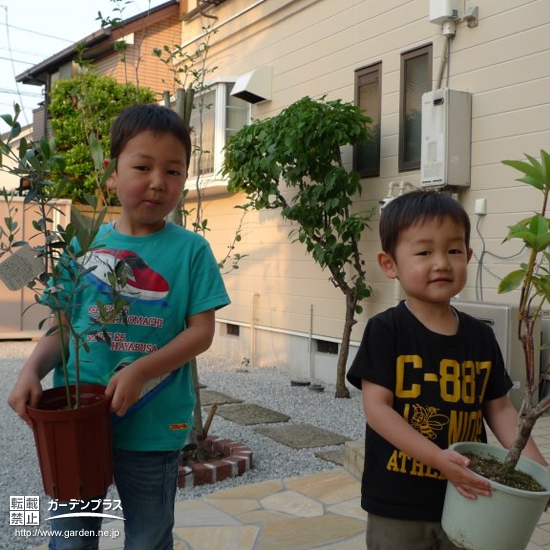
(400, 534)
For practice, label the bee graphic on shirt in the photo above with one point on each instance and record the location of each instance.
(428, 421)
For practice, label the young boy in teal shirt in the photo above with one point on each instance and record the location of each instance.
(173, 288)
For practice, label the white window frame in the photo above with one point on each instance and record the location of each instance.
(222, 88)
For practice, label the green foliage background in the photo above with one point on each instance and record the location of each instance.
(82, 106)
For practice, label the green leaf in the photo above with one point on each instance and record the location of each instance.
(96, 151)
(512, 281)
(545, 164)
(526, 168)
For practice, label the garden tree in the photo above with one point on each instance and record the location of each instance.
(120, 46)
(82, 110)
(190, 70)
(293, 161)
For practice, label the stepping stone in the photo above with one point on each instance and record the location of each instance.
(247, 414)
(211, 397)
(336, 457)
(302, 436)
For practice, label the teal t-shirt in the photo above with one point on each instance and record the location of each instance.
(171, 275)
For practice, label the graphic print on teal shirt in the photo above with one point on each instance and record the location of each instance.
(142, 283)
(171, 275)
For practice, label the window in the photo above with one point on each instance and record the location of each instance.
(416, 78)
(216, 116)
(324, 346)
(366, 157)
(233, 330)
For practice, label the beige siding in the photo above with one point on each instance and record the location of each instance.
(139, 64)
(314, 48)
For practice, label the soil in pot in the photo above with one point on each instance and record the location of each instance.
(492, 469)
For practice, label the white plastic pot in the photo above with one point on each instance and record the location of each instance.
(505, 520)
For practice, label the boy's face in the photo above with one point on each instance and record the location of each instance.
(149, 179)
(430, 261)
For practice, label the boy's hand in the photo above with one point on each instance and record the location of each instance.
(125, 389)
(455, 468)
(27, 391)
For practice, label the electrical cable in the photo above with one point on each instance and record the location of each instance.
(17, 60)
(8, 48)
(8, 26)
(30, 94)
(480, 265)
(479, 273)
(18, 91)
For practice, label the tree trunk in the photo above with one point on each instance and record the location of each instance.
(198, 425)
(176, 216)
(530, 411)
(520, 441)
(341, 389)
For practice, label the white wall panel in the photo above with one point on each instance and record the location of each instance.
(314, 48)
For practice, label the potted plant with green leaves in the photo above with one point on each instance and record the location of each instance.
(507, 520)
(71, 424)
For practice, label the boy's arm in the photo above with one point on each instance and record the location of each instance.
(126, 385)
(27, 390)
(389, 424)
(501, 417)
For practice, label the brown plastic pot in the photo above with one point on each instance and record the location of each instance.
(74, 446)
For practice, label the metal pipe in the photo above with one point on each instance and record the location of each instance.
(310, 342)
(255, 298)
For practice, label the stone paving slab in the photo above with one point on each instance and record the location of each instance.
(248, 414)
(336, 457)
(302, 436)
(212, 397)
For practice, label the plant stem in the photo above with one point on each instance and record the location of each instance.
(61, 329)
(525, 428)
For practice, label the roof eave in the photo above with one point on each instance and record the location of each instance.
(37, 74)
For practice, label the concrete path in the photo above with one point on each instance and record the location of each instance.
(320, 511)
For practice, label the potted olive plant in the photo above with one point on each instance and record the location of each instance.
(507, 520)
(71, 424)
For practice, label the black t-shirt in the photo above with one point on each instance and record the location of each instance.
(439, 384)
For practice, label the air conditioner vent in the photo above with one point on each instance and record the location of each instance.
(503, 319)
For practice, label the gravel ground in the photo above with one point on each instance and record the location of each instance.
(265, 386)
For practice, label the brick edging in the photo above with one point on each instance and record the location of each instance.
(237, 460)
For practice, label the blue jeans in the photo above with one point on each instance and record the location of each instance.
(146, 484)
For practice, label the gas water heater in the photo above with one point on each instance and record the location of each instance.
(446, 138)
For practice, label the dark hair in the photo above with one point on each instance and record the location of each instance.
(151, 117)
(419, 207)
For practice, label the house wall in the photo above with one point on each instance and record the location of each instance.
(21, 315)
(314, 47)
(10, 181)
(139, 65)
